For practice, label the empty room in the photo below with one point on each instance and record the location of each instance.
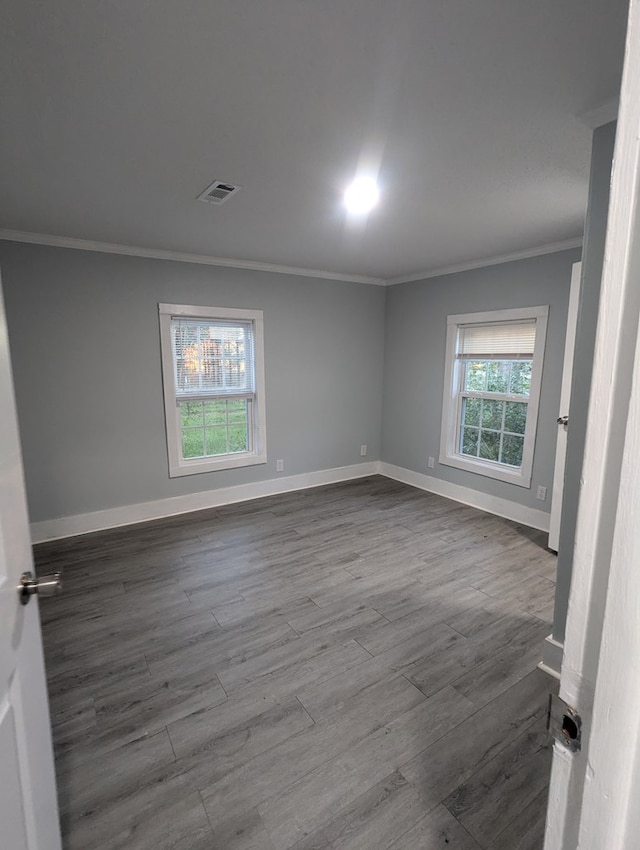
(300, 317)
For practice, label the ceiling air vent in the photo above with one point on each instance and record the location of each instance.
(218, 192)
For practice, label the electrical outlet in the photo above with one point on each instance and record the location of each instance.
(541, 493)
(363, 450)
(280, 465)
(431, 462)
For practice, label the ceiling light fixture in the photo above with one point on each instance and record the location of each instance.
(362, 195)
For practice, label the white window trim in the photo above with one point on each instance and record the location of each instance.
(449, 454)
(178, 466)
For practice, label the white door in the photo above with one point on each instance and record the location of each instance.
(594, 795)
(563, 414)
(28, 809)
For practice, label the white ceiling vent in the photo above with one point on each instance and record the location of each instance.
(218, 192)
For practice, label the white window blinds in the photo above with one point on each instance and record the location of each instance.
(499, 341)
(212, 358)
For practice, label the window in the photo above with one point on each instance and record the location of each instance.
(493, 374)
(213, 372)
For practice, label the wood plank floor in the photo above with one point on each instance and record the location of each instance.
(351, 667)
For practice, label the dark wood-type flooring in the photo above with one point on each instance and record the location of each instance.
(351, 667)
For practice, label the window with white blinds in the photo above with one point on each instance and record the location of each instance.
(493, 377)
(213, 359)
(499, 341)
(213, 372)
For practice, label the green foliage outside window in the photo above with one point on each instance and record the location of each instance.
(508, 377)
(211, 428)
(493, 429)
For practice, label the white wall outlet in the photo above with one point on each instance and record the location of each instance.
(431, 462)
(280, 465)
(363, 450)
(541, 493)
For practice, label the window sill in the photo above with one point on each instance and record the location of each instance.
(488, 469)
(200, 465)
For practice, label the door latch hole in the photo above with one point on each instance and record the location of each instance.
(564, 723)
(569, 728)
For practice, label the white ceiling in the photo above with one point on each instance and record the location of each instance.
(117, 114)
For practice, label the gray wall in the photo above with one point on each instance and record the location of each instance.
(416, 322)
(594, 240)
(83, 330)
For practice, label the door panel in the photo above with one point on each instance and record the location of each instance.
(28, 810)
(11, 809)
(565, 395)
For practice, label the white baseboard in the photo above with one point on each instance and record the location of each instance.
(552, 653)
(474, 498)
(54, 529)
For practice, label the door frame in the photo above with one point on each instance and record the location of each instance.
(593, 795)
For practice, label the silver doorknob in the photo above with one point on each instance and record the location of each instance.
(562, 420)
(44, 586)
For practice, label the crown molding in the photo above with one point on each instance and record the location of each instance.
(603, 114)
(226, 262)
(550, 248)
(177, 256)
